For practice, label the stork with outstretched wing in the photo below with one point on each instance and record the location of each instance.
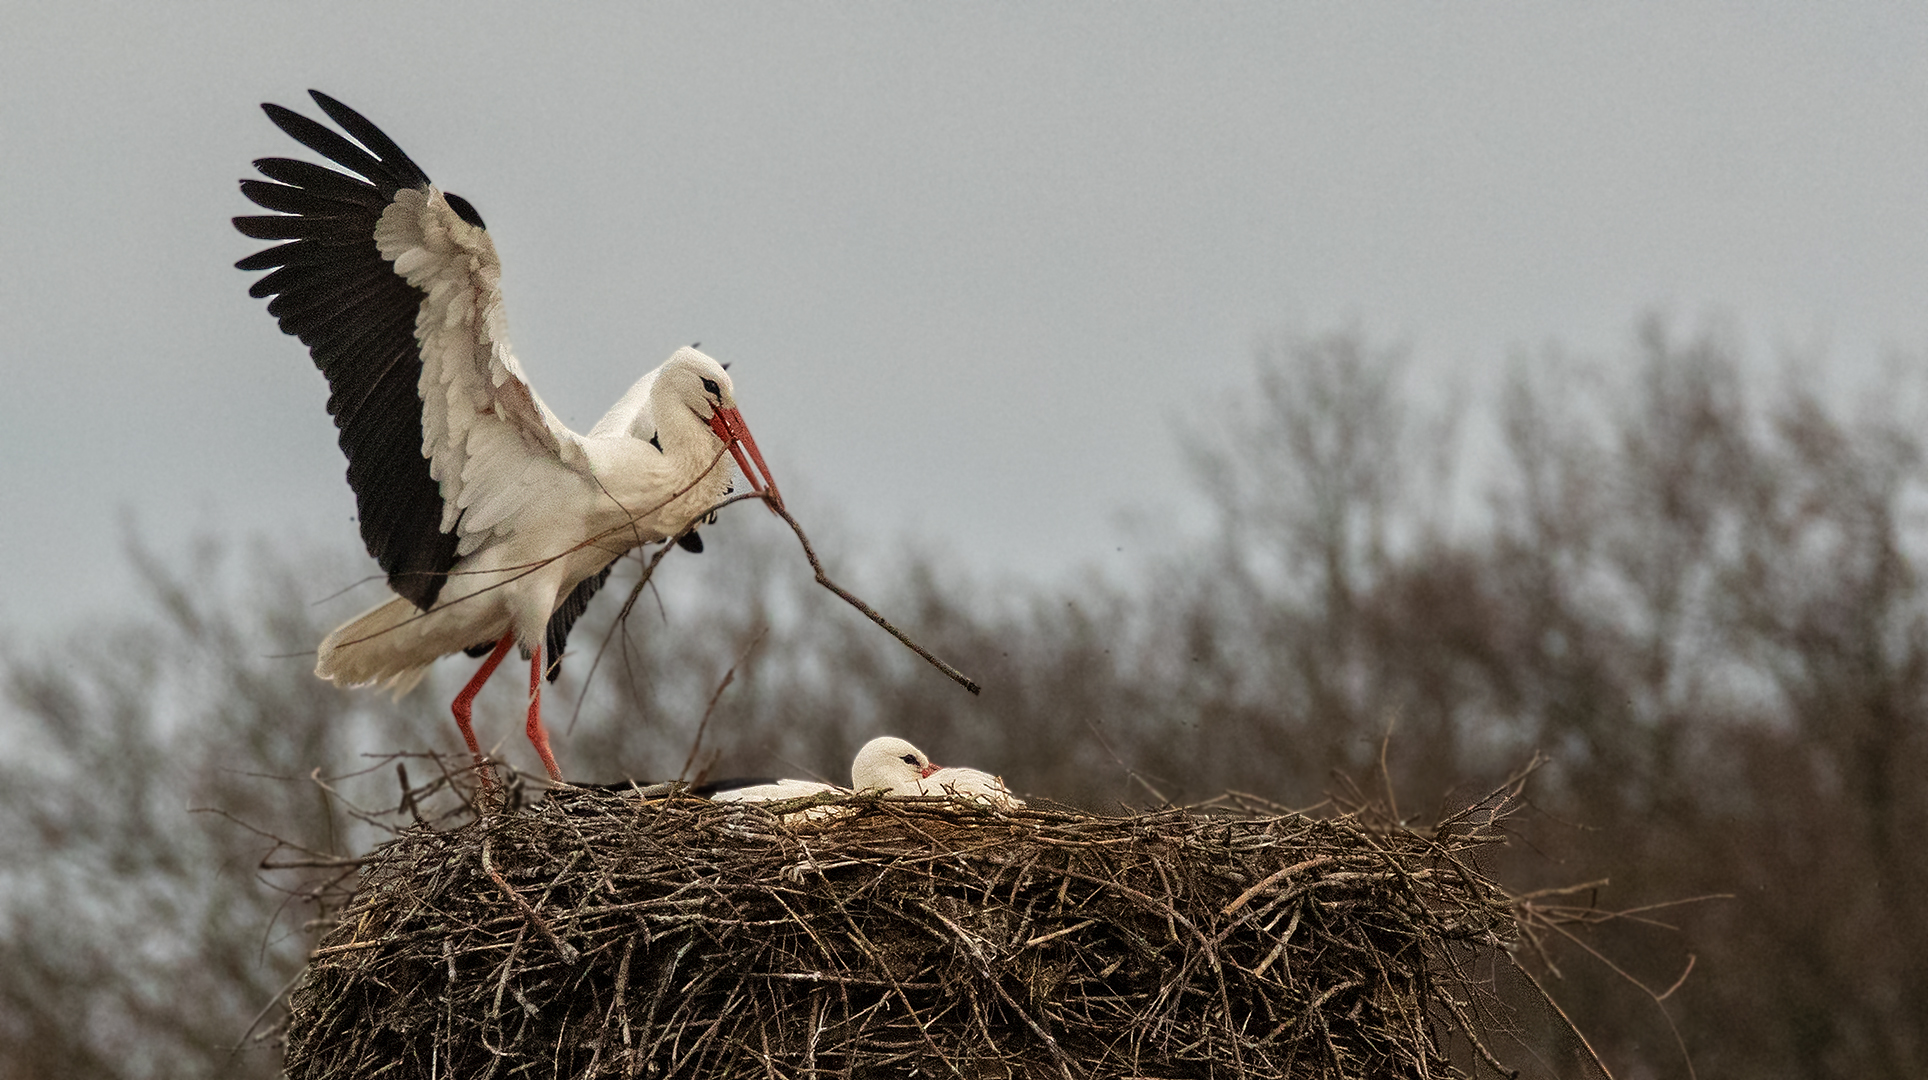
(494, 522)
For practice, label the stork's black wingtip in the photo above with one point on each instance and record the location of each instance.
(282, 116)
(328, 102)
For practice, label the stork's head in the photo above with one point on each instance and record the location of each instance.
(692, 380)
(889, 764)
(696, 382)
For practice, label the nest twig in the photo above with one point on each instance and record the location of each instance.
(606, 935)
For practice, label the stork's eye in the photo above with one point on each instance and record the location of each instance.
(715, 390)
(911, 759)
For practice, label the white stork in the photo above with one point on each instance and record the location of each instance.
(894, 767)
(494, 522)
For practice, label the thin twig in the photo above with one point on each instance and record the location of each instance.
(816, 567)
(525, 569)
(728, 677)
(1133, 774)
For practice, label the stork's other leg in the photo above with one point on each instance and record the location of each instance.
(536, 735)
(466, 699)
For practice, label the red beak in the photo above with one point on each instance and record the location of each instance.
(928, 770)
(729, 426)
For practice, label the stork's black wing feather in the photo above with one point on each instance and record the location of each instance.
(567, 613)
(320, 182)
(332, 289)
(358, 128)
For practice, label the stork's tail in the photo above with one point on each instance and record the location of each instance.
(379, 647)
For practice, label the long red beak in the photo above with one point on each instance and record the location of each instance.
(729, 426)
(926, 772)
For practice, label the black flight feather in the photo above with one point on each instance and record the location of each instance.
(330, 287)
(566, 614)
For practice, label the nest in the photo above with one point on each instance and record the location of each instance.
(603, 935)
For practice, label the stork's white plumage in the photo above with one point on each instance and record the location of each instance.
(884, 764)
(894, 767)
(494, 522)
(973, 784)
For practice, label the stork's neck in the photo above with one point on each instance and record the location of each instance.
(653, 493)
(685, 438)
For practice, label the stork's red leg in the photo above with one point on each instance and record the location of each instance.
(536, 735)
(465, 699)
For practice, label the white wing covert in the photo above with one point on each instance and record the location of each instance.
(395, 288)
(490, 440)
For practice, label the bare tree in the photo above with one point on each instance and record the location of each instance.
(138, 938)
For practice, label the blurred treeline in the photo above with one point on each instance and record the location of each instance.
(1696, 595)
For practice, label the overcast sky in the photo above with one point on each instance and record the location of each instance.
(969, 262)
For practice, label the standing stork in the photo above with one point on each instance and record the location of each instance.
(494, 522)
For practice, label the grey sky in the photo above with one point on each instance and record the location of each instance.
(968, 262)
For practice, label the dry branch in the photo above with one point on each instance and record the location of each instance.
(816, 568)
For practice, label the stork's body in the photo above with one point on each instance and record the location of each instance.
(494, 522)
(571, 525)
(894, 767)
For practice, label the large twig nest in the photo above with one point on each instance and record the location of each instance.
(609, 936)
